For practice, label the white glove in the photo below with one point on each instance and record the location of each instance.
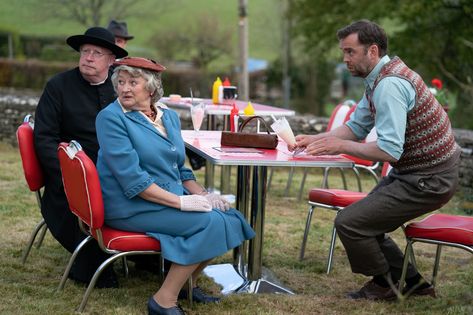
(195, 203)
(218, 202)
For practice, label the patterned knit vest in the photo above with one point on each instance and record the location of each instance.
(429, 140)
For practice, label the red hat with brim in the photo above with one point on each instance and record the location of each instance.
(139, 62)
(98, 36)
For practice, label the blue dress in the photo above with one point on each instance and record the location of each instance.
(132, 156)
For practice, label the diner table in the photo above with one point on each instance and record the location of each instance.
(214, 110)
(252, 166)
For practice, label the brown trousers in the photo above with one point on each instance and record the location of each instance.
(398, 198)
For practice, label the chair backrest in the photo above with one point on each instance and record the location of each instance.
(338, 116)
(386, 169)
(81, 184)
(372, 136)
(31, 167)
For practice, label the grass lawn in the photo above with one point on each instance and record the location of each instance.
(31, 288)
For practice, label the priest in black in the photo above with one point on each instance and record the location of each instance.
(66, 111)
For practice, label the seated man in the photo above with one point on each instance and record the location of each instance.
(66, 110)
(414, 136)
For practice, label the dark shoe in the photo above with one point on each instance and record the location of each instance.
(199, 296)
(108, 279)
(422, 291)
(373, 291)
(155, 309)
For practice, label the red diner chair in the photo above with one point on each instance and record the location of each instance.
(360, 164)
(336, 200)
(339, 116)
(84, 195)
(439, 229)
(33, 176)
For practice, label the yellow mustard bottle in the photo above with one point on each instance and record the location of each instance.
(215, 87)
(249, 110)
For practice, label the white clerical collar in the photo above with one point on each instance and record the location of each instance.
(101, 82)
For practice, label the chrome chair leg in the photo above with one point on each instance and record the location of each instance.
(161, 269)
(71, 261)
(42, 234)
(95, 277)
(38, 227)
(344, 179)
(125, 266)
(325, 178)
(301, 188)
(358, 179)
(270, 179)
(407, 253)
(289, 181)
(332, 249)
(436, 265)
(306, 231)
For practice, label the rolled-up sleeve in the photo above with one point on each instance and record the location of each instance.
(393, 98)
(361, 122)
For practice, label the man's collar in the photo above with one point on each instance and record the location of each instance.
(101, 82)
(369, 80)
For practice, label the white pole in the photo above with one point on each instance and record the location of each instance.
(243, 79)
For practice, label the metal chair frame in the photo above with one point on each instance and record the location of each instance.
(40, 228)
(337, 118)
(333, 240)
(409, 252)
(71, 150)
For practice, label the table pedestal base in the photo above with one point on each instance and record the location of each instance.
(263, 286)
(231, 281)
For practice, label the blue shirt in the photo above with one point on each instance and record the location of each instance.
(393, 98)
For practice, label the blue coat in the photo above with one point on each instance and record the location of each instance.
(132, 156)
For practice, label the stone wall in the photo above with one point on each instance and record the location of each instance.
(14, 107)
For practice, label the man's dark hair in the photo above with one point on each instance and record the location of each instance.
(369, 33)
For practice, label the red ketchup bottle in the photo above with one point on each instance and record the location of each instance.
(226, 82)
(234, 118)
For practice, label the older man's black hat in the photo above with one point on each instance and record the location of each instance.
(98, 36)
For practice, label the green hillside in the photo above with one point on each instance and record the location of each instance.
(32, 17)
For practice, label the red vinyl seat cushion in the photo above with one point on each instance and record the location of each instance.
(335, 197)
(443, 227)
(128, 241)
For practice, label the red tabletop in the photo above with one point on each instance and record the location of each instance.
(224, 109)
(207, 144)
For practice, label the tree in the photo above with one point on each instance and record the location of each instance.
(432, 36)
(202, 41)
(442, 30)
(91, 12)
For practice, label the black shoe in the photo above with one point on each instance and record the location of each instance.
(199, 296)
(155, 309)
(108, 279)
(373, 291)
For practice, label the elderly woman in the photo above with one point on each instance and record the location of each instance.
(147, 188)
